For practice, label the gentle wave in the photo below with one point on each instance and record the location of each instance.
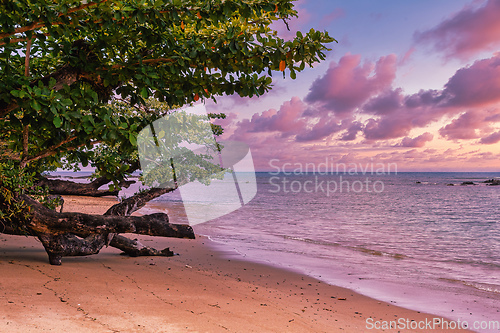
(378, 253)
(493, 288)
(469, 262)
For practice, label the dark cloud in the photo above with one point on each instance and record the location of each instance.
(491, 139)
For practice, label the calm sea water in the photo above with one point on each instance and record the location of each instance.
(406, 238)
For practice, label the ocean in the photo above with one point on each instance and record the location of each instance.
(411, 239)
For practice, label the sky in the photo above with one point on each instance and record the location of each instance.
(416, 83)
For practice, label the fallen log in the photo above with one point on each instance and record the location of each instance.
(77, 234)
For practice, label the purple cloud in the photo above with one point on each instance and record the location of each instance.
(491, 139)
(348, 84)
(417, 142)
(468, 32)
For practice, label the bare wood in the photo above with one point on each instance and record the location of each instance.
(135, 248)
(136, 202)
(66, 187)
(70, 234)
(51, 150)
(27, 58)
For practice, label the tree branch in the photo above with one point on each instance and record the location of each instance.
(27, 58)
(136, 202)
(49, 151)
(66, 187)
(134, 248)
(145, 61)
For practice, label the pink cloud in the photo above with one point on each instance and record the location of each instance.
(350, 89)
(322, 129)
(476, 85)
(466, 126)
(407, 56)
(468, 32)
(354, 99)
(387, 128)
(471, 89)
(349, 84)
(396, 114)
(287, 120)
(491, 139)
(334, 15)
(417, 142)
(294, 118)
(385, 103)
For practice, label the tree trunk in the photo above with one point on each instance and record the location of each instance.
(136, 202)
(134, 248)
(66, 187)
(75, 234)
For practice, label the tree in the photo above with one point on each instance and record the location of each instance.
(80, 79)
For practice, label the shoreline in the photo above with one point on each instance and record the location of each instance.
(199, 291)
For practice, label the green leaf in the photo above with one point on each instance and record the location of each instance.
(57, 122)
(133, 139)
(36, 105)
(67, 102)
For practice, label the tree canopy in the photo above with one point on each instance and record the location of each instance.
(80, 79)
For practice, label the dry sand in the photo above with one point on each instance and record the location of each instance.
(198, 291)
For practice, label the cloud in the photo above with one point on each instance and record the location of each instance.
(473, 92)
(406, 58)
(467, 33)
(491, 139)
(350, 91)
(352, 131)
(353, 105)
(320, 130)
(475, 85)
(465, 127)
(395, 114)
(385, 103)
(332, 16)
(287, 120)
(417, 142)
(387, 128)
(347, 84)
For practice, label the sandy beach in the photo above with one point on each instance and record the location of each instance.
(201, 290)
